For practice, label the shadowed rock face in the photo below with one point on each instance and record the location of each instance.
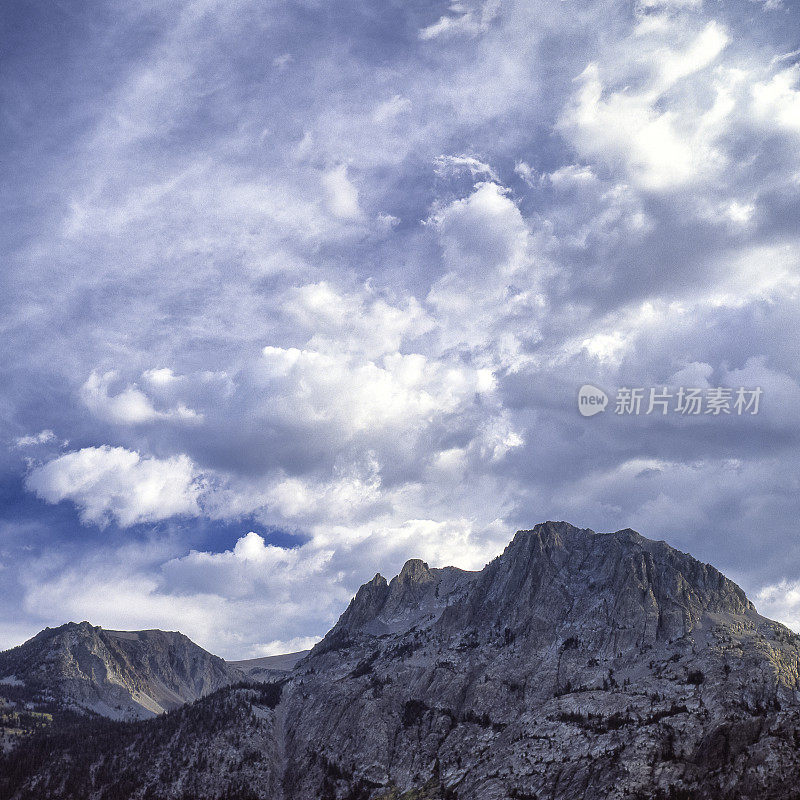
(118, 674)
(415, 598)
(598, 666)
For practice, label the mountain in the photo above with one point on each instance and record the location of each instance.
(268, 668)
(414, 598)
(117, 674)
(574, 665)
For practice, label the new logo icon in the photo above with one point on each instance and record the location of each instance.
(591, 400)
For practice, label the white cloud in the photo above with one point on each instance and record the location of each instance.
(488, 251)
(526, 172)
(740, 213)
(499, 437)
(777, 101)
(341, 196)
(114, 483)
(571, 176)
(390, 109)
(447, 165)
(246, 568)
(356, 322)
(652, 133)
(606, 346)
(454, 541)
(483, 234)
(279, 647)
(252, 548)
(130, 406)
(780, 601)
(463, 21)
(162, 376)
(43, 437)
(311, 387)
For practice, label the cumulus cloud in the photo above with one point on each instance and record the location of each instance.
(404, 390)
(492, 276)
(114, 483)
(341, 195)
(130, 405)
(644, 131)
(361, 322)
(484, 232)
(246, 569)
(446, 165)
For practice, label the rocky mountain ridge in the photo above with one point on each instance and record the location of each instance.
(415, 598)
(600, 666)
(117, 674)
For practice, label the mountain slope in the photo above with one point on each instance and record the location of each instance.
(268, 668)
(118, 674)
(576, 664)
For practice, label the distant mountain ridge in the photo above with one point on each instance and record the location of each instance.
(574, 665)
(268, 668)
(117, 674)
(124, 674)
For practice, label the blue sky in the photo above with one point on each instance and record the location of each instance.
(294, 291)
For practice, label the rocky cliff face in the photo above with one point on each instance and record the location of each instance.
(118, 674)
(576, 664)
(415, 598)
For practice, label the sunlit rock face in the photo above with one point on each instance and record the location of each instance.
(117, 674)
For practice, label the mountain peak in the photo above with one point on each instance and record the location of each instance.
(119, 674)
(415, 597)
(81, 626)
(553, 534)
(415, 570)
(621, 585)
